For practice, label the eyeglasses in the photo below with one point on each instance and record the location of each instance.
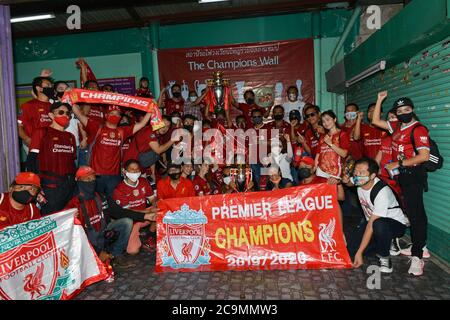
(309, 115)
(62, 112)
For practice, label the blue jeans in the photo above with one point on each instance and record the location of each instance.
(106, 184)
(384, 231)
(123, 227)
(294, 174)
(82, 157)
(256, 172)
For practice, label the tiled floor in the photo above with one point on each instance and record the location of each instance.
(143, 283)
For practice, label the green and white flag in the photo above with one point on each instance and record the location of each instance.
(47, 259)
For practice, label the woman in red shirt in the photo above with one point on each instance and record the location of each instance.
(384, 156)
(407, 161)
(333, 148)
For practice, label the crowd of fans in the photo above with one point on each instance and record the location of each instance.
(108, 162)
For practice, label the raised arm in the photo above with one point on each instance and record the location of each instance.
(80, 115)
(376, 120)
(138, 126)
(83, 73)
(161, 98)
(357, 130)
(199, 99)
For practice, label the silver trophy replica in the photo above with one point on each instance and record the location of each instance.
(220, 87)
(242, 177)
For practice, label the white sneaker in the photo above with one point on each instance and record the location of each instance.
(407, 252)
(395, 247)
(385, 265)
(416, 267)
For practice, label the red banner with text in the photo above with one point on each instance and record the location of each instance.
(277, 64)
(293, 228)
(148, 105)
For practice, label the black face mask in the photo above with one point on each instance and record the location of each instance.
(176, 94)
(49, 92)
(304, 173)
(188, 127)
(257, 120)
(87, 189)
(250, 101)
(405, 118)
(175, 176)
(278, 117)
(60, 94)
(23, 197)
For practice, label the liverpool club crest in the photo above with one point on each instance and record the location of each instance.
(185, 244)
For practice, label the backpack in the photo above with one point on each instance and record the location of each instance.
(96, 238)
(436, 160)
(376, 190)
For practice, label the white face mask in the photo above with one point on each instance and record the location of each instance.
(133, 176)
(350, 115)
(175, 120)
(227, 180)
(192, 99)
(197, 126)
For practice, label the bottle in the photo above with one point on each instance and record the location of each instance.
(393, 172)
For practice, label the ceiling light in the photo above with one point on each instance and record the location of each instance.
(32, 18)
(367, 73)
(210, 1)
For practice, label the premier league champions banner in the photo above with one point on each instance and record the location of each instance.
(293, 228)
(276, 64)
(47, 259)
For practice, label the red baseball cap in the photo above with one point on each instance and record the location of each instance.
(307, 160)
(112, 107)
(28, 178)
(84, 171)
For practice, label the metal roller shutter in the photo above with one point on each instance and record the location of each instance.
(425, 78)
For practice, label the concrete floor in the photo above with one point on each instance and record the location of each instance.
(143, 283)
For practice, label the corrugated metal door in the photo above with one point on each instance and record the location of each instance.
(425, 78)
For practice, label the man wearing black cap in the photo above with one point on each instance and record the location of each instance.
(408, 170)
(52, 155)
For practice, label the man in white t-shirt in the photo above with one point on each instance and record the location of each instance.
(293, 103)
(384, 219)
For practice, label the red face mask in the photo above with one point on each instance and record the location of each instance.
(113, 119)
(63, 121)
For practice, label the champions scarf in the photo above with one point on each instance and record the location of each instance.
(148, 105)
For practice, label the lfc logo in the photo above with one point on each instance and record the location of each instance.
(185, 244)
(327, 242)
(39, 258)
(33, 282)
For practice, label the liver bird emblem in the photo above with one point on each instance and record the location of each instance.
(326, 235)
(33, 282)
(186, 251)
